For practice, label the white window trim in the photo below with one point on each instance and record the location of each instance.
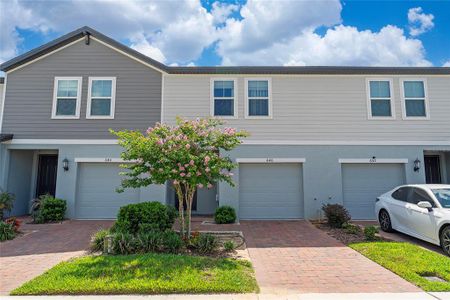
(235, 98)
(402, 92)
(55, 97)
(269, 85)
(369, 99)
(113, 98)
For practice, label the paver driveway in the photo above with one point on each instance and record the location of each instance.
(296, 257)
(41, 247)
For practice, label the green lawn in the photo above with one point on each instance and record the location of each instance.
(143, 274)
(410, 262)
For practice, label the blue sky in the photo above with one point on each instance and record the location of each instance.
(206, 32)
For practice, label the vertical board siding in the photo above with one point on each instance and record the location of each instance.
(29, 95)
(315, 108)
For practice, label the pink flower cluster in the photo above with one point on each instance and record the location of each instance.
(229, 131)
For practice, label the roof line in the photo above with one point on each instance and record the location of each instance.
(282, 70)
(73, 36)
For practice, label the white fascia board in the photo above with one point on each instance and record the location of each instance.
(101, 160)
(270, 160)
(373, 160)
(61, 142)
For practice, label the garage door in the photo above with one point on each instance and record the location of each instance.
(363, 183)
(270, 191)
(96, 192)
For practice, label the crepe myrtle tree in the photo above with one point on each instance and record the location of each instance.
(187, 154)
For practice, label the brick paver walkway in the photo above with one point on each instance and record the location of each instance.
(296, 257)
(41, 247)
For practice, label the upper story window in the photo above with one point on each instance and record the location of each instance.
(381, 105)
(258, 92)
(101, 98)
(224, 102)
(66, 98)
(415, 103)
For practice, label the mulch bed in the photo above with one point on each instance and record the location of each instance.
(341, 235)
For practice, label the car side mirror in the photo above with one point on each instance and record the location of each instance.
(425, 204)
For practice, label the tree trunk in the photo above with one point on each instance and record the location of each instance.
(190, 191)
(180, 195)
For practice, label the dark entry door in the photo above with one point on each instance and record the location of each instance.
(432, 169)
(46, 179)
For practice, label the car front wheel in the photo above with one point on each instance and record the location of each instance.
(385, 221)
(445, 240)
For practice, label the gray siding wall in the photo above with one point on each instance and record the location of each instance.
(316, 108)
(19, 180)
(29, 94)
(322, 172)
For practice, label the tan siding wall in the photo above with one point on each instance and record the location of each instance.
(316, 108)
(29, 94)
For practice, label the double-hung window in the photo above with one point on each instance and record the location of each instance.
(224, 98)
(258, 98)
(66, 98)
(101, 98)
(414, 102)
(381, 104)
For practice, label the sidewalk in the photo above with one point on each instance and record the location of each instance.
(328, 296)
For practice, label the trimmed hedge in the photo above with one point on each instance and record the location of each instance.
(144, 217)
(51, 210)
(225, 215)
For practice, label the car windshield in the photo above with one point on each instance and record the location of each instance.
(443, 196)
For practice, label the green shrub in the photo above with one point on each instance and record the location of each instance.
(6, 202)
(124, 243)
(151, 241)
(351, 228)
(225, 215)
(50, 209)
(370, 233)
(172, 242)
(229, 246)
(145, 216)
(98, 240)
(336, 215)
(6, 231)
(205, 243)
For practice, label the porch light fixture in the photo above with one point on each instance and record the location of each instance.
(417, 165)
(65, 164)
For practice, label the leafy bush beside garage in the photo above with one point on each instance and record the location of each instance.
(225, 215)
(145, 216)
(336, 214)
(47, 209)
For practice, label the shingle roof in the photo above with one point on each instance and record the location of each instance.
(307, 70)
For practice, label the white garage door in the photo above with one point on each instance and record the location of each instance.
(96, 196)
(270, 191)
(363, 183)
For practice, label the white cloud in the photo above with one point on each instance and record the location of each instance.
(446, 64)
(221, 11)
(267, 22)
(419, 22)
(279, 34)
(269, 32)
(176, 31)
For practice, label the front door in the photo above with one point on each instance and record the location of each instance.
(46, 178)
(432, 169)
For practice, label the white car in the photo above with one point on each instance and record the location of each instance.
(419, 210)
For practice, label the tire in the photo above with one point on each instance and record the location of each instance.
(445, 240)
(385, 221)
